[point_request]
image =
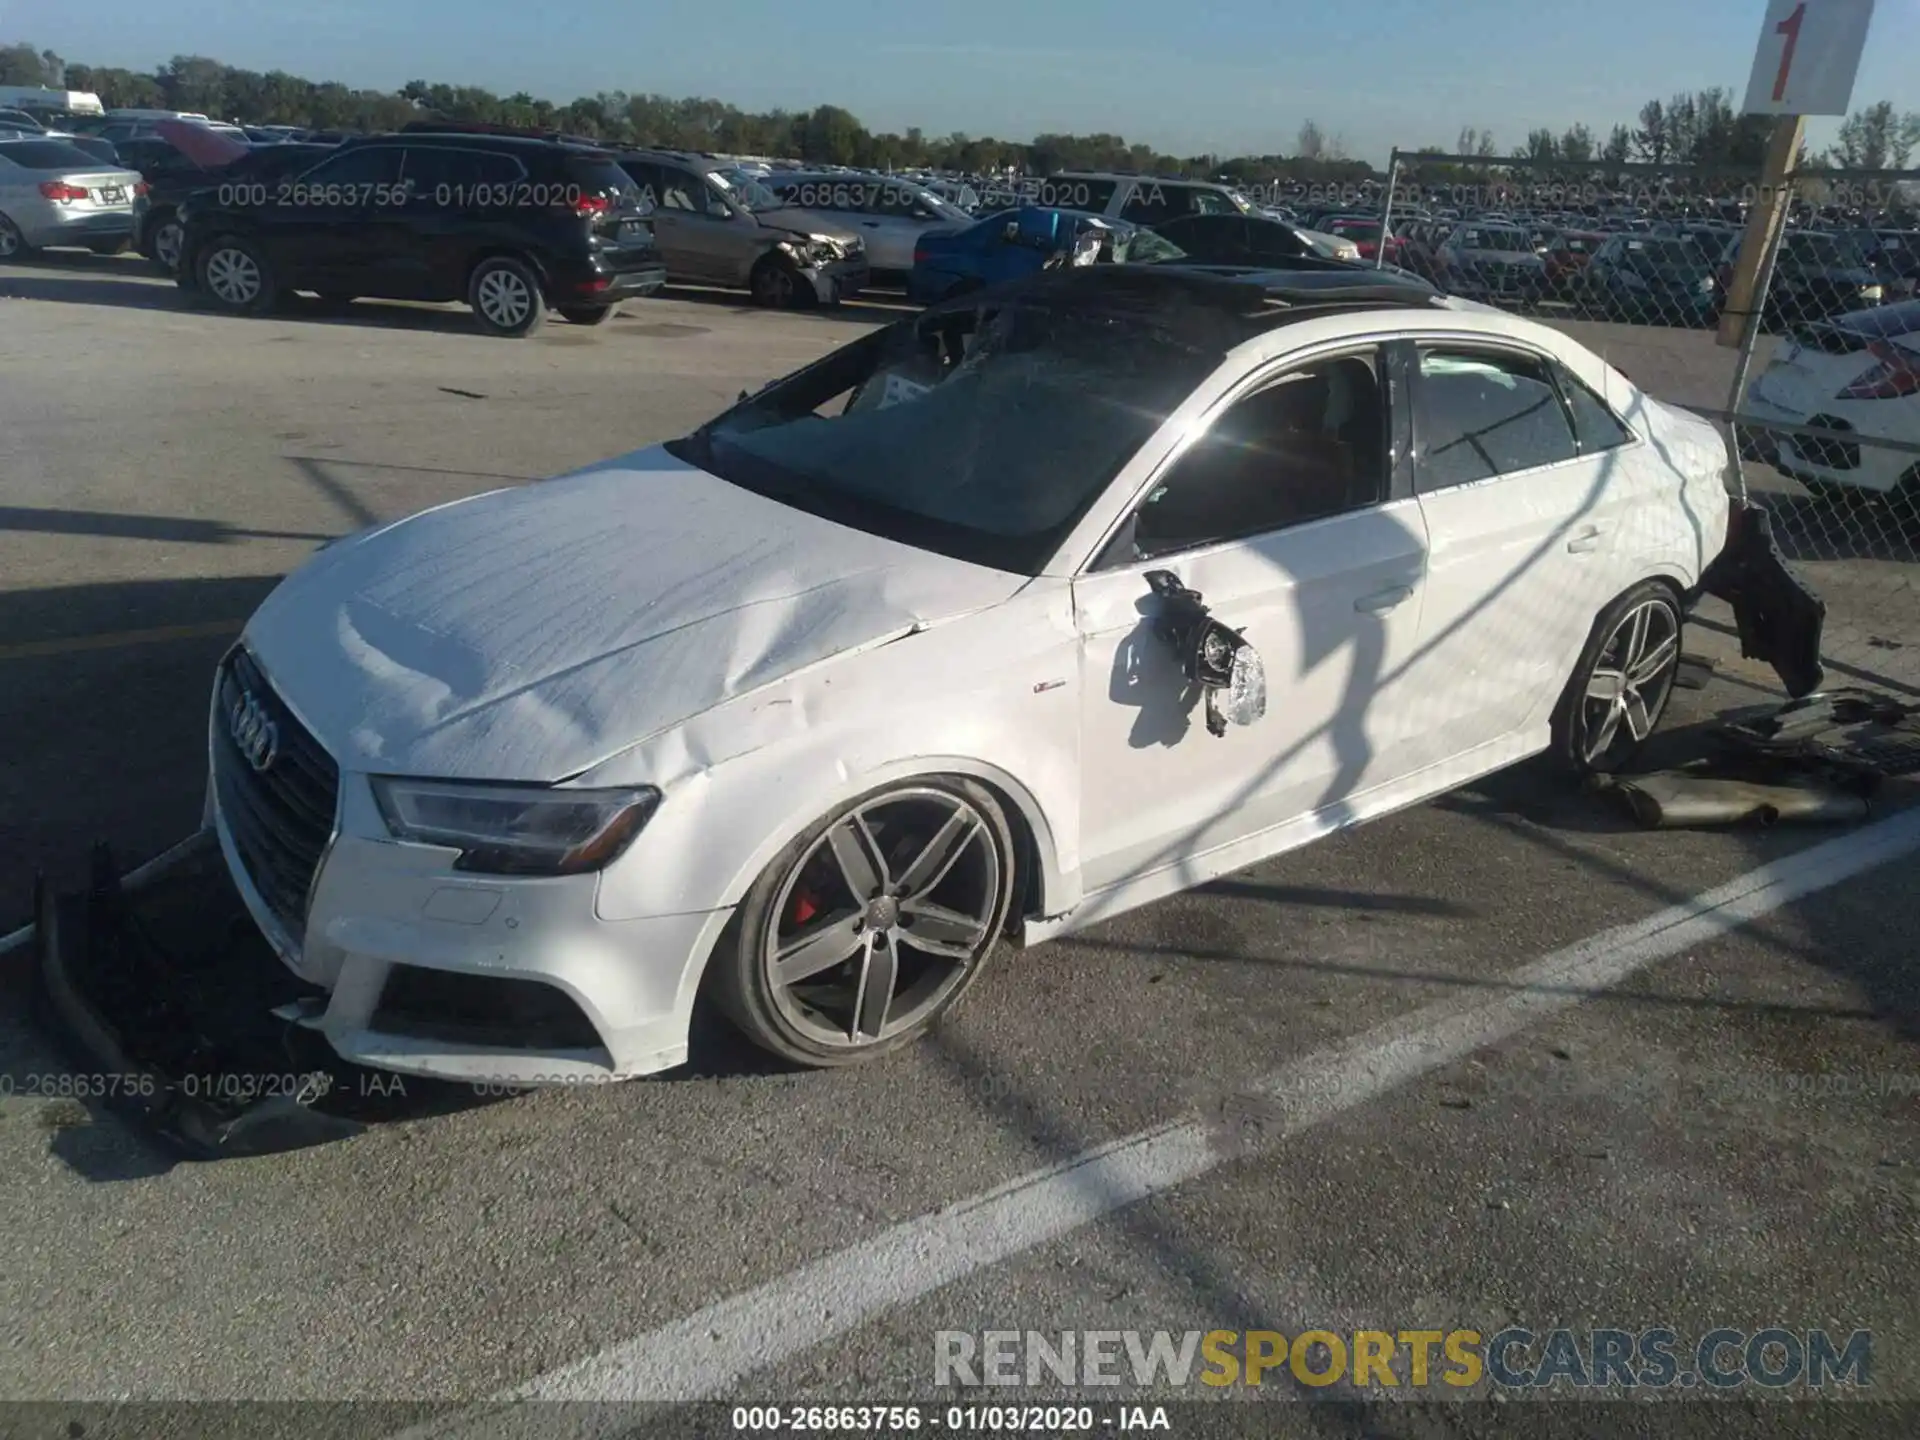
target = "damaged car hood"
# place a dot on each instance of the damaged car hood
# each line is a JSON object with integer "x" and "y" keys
{"x": 530, "y": 634}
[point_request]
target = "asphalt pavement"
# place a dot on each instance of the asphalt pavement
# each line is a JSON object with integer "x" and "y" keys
{"x": 1501, "y": 1060}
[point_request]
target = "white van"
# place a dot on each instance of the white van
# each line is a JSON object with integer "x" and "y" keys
{"x": 44, "y": 104}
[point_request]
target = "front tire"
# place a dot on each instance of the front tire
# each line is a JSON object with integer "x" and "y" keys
{"x": 505, "y": 297}
{"x": 870, "y": 926}
{"x": 235, "y": 275}
{"x": 1621, "y": 686}
{"x": 777, "y": 285}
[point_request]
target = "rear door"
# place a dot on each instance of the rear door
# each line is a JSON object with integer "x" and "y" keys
{"x": 452, "y": 195}
{"x": 1522, "y": 528}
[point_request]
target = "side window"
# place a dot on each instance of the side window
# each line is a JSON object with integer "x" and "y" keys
{"x": 491, "y": 169}
{"x": 1594, "y": 423}
{"x": 439, "y": 175}
{"x": 373, "y": 165}
{"x": 426, "y": 170}
{"x": 1483, "y": 413}
{"x": 678, "y": 191}
{"x": 650, "y": 181}
{"x": 1211, "y": 202}
{"x": 1311, "y": 444}
{"x": 1148, "y": 202}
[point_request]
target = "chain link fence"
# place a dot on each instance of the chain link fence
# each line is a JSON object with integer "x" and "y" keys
{"x": 1816, "y": 379}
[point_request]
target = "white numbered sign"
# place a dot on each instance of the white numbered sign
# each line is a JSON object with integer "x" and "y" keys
{"x": 1809, "y": 53}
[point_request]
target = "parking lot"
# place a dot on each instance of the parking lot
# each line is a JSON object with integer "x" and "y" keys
{"x": 1503, "y": 1059}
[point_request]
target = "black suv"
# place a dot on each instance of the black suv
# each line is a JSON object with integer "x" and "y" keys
{"x": 511, "y": 225}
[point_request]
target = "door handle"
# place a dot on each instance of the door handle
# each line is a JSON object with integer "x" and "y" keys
{"x": 1381, "y": 601}
{"x": 1584, "y": 541}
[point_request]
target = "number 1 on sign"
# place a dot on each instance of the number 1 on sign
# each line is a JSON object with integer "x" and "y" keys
{"x": 1789, "y": 27}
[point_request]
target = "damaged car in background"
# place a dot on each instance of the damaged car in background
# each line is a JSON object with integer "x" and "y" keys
{"x": 1017, "y": 614}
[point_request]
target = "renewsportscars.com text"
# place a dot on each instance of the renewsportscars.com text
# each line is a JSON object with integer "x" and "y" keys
{"x": 1514, "y": 1358}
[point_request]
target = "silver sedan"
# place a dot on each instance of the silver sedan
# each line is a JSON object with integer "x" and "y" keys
{"x": 52, "y": 193}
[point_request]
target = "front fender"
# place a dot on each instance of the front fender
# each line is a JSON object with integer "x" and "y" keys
{"x": 993, "y": 695}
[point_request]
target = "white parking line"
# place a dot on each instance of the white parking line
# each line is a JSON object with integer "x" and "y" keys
{"x": 707, "y": 1354}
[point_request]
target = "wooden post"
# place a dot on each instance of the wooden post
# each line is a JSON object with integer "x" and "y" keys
{"x": 1770, "y": 211}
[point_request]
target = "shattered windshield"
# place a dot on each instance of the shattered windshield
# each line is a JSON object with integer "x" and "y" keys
{"x": 981, "y": 434}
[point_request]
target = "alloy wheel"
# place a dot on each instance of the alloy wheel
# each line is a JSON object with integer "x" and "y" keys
{"x": 504, "y": 299}
{"x": 1632, "y": 679}
{"x": 883, "y": 917}
{"x": 10, "y": 241}
{"x": 166, "y": 244}
{"x": 233, "y": 277}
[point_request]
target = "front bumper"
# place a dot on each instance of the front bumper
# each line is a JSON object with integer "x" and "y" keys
{"x": 841, "y": 280}
{"x": 502, "y": 980}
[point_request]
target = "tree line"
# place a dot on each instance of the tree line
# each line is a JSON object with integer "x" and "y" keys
{"x": 1688, "y": 129}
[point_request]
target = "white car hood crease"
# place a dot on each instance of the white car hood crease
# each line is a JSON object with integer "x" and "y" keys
{"x": 531, "y": 634}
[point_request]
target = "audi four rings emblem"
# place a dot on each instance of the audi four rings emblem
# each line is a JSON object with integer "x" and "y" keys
{"x": 253, "y": 730}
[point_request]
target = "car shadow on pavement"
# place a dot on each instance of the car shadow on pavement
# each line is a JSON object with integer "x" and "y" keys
{"x": 865, "y": 309}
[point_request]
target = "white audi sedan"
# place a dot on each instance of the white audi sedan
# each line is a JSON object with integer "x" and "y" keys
{"x": 1019, "y": 613}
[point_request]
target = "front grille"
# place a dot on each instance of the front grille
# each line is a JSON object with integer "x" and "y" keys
{"x": 280, "y": 819}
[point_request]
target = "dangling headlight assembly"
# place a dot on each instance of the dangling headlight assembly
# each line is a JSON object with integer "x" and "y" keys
{"x": 517, "y": 829}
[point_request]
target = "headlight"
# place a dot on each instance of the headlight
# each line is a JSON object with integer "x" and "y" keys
{"x": 1706, "y": 286}
{"x": 1871, "y": 292}
{"x": 517, "y": 829}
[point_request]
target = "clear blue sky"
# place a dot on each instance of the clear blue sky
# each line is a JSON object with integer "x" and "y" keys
{"x": 1232, "y": 76}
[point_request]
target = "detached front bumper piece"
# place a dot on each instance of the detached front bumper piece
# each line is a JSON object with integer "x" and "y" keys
{"x": 161, "y": 985}
{"x": 1780, "y": 619}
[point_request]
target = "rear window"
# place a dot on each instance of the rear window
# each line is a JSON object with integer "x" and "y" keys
{"x": 47, "y": 155}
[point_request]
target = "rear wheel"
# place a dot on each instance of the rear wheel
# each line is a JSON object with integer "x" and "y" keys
{"x": 869, "y": 927}
{"x": 505, "y": 296}
{"x": 235, "y": 275}
{"x": 13, "y": 244}
{"x": 585, "y": 314}
{"x": 1620, "y": 688}
{"x": 163, "y": 245}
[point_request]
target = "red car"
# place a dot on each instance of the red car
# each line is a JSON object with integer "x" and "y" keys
{"x": 1568, "y": 256}
{"x": 1364, "y": 232}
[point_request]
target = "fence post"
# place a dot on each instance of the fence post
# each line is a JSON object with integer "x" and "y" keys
{"x": 1771, "y": 208}
{"x": 1756, "y": 324}
{"x": 1386, "y": 214}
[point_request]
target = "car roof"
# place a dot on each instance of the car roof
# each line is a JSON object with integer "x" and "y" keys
{"x": 1216, "y": 309}
{"x": 1139, "y": 176}
{"x": 470, "y": 140}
